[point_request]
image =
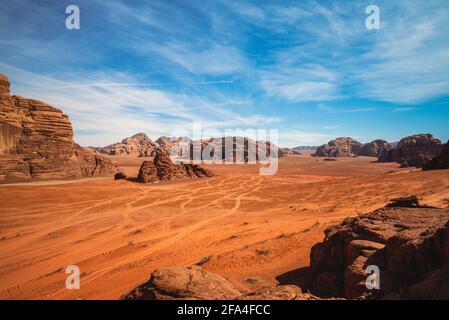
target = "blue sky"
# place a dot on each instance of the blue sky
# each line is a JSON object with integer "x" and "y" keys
{"x": 308, "y": 68}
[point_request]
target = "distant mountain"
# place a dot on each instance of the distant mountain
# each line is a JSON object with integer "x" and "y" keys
{"x": 304, "y": 148}
{"x": 137, "y": 145}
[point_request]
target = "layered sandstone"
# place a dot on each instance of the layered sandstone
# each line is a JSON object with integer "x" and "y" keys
{"x": 36, "y": 141}
{"x": 410, "y": 245}
{"x": 413, "y": 151}
{"x": 339, "y": 147}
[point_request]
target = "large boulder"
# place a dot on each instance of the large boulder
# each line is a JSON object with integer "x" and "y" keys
{"x": 163, "y": 169}
{"x": 413, "y": 151}
{"x": 375, "y": 148}
{"x": 409, "y": 245}
{"x": 340, "y": 147}
{"x": 36, "y": 141}
{"x": 186, "y": 283}
{"x": 441, "y": 161}
{"x": 137, "y": 145}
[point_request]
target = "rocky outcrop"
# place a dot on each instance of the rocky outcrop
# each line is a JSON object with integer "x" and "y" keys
{"x": 163, "y": 169}
{"x": 340, "y": 147}
{"x": 441, "y": 161}
{"x": 120, "y": 176}
{"x": 36, "y": 141}
{"x": 413, "y": 151}
{"x": 286, "y": 152}
{"x": 139, "y": 145}
{"x": 409, "y": 245}
{"x": 375, "y": 148}
{"x": 195, "y": 283}
{"x": 191, "y": 282}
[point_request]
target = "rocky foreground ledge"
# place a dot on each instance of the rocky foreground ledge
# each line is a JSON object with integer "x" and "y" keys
{"x": 408, "y": 242}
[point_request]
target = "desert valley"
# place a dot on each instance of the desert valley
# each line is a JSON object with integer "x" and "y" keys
{"x": 124, "y": 212}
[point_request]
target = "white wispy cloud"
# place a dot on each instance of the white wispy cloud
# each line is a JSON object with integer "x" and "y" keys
{"x": 307, "y": 83}
{"x": 106, "y": 113}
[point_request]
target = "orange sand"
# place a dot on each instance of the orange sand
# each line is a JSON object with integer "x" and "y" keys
{"x": 252, "y": 228}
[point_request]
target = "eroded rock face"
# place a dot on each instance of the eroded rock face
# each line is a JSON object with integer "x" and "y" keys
{"x": 375, "y": 148}
{"x": 163, "y": 169}
{"x": 195, "y": 283}
{"x": 414, "y": 151}
{"x": 36, "y": 141}
{"x": 286, "y": 152}
{"x": 137, "y": 145}
{"x": 409, "y": 245}
{"x": 340, "y": 147}
{"x": 441, "y": 161}
{"x": 190, "y": 282}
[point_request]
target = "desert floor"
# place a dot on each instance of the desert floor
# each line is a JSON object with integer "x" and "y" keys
{"x": 252, "y": 229}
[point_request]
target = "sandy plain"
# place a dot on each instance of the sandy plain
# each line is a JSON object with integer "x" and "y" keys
{"x": 254, "y": 230}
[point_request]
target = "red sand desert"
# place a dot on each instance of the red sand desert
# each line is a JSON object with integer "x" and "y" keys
{"x": 245, "y": 227}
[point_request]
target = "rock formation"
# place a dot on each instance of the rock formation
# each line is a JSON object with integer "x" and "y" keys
{"x": 120, "y": 176}
{"x": 340, "y": 147}
{"x": 137, "y": 145}
{"x": 414, "y": 151}
{"x": 191, "y": 282}
{"x": 410, "y": 245}
{"x": 242, "y": 149}
{"x": 163, "y": 169}
{"x": 375, "y": 148}
{"x": 36, "y": 141}
{"x": 286, "y": 152}
{"x": 195, "y": 283}
{"x": 441, "y": 161}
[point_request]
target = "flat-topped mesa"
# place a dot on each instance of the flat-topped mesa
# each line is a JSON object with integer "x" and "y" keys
{"x": 340, "y": 147}
{"x": 413, "y": 151}
{"x": 163, "y": 169}
{"x": 36, "y": 141}
{"x": 137, "y": 145}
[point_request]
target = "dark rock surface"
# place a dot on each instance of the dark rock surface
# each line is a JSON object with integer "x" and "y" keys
{"x": 413, "y": 151}
{"x": 440, "y": 161}
{"x": 375, "y": 148}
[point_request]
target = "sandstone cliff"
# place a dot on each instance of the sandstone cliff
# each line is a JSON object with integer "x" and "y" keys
{"x": 36, "y": 141}
{"x": 414, "y": 151}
